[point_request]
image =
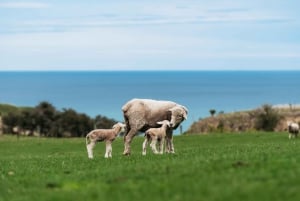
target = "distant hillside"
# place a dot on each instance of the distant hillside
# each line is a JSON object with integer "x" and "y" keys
{"x": 7, "y": 108}
{"x": 246, "y": 120}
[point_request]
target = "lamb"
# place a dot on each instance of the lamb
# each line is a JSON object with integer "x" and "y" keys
{"x": 155, "y": 135}
{"x": 293, "y": 129}
{"x": 107, "y": 135}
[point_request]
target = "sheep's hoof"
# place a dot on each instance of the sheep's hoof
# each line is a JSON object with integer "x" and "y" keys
{"x": 126, "y": 154}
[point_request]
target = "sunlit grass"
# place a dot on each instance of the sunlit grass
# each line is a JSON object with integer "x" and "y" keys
{"x": 254, "y": 166}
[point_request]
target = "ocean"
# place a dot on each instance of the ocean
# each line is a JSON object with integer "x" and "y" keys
{"x": 104, "y": 93}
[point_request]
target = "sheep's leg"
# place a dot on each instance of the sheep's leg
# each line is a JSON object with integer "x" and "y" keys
{"x": 169, "y": 145}
{"x": 108, "y": 152}
{"x": 145, "y": 146}
{"x": 90, "y": 148}
{"x": 169, "y": 142}
{"x": 153, "y": 145}
{"x": 172, "y": 150}
{"x": 158, "y": 145}
{"x": 167, "y": 149}
{"x": 127, "y": 140}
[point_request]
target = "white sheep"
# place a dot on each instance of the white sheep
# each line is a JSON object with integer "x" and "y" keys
{"x": 155, "y": 135}
{"x": 293, "y": 129}
{"x": 107, "y": 135}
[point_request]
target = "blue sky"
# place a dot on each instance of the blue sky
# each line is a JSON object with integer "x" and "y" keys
{"x": 150, "y": 35}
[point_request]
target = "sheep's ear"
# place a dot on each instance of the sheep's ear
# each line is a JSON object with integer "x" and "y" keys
{"x": 159, "y": 122}
{"x": 184, "y": 116}
{"x": 186, "y": 110}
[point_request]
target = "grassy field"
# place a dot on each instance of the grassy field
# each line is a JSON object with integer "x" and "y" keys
{"x": 253, "y": 166}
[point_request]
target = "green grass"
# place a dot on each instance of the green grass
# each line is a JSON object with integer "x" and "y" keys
{"x": 253, "y": 166}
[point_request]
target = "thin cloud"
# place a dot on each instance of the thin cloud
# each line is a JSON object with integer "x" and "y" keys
{"x": 24, "y": 5}
{"x": 62, "y": 25}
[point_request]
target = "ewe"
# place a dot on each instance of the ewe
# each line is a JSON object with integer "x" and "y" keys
{"x": 155, "y": 135}
{"x": 107, "y": 135}
{"x": 142, "y": 114}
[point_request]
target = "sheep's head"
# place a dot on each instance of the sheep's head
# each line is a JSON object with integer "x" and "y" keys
{"x": 178, "y": 114}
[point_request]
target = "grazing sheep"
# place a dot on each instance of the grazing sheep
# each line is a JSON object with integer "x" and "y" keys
{"x": 293, "y": 129}
{"x": 155, "y": 135}
{"x": 107, "y": 135}
{"x": 142, "y": 114}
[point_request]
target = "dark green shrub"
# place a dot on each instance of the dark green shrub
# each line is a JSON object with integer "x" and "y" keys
{"x": 267, "y": 118}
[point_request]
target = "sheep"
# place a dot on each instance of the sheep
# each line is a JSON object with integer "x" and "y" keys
{"x": 293, "y": 129}
{"x": 155, "y": 135}
{"x": 142, "y": 114}
{"x": 107, "y": 135}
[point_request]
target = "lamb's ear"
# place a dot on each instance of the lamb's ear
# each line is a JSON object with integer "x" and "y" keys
{"x": 171, "y": 110}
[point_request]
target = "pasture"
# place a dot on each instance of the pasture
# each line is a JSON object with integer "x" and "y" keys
{"x": 252, "y": 166}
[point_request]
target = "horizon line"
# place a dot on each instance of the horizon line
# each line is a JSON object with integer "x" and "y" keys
{"x": 148, "y": 70}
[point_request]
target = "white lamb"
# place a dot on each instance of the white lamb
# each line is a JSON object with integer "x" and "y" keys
{"x": 293, "y": 129}
{"x": 155, "y": 135}
{"x": 107, "y": 135}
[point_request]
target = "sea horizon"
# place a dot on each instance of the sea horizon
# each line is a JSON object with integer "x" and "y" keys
{"x": 105, "y": 92}
{"x": 151, "y": 70}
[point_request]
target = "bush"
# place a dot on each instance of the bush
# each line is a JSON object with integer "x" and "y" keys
{"x": 45, "y": 120}
{"x": 267, "y": 118}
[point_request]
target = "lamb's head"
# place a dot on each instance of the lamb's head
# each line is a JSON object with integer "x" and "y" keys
{"x": 121, "y": 126}
{"x": 164, "y": 122}
{"x": 178, "y": 114}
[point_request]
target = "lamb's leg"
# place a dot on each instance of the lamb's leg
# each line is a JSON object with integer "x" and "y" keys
{"x": 90, "y": 148}
{"x": 153, "y": 145}
{"x": 108, "y": 152}
{"x": 161, "y": 145}
{"x": 145, "y": 146}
